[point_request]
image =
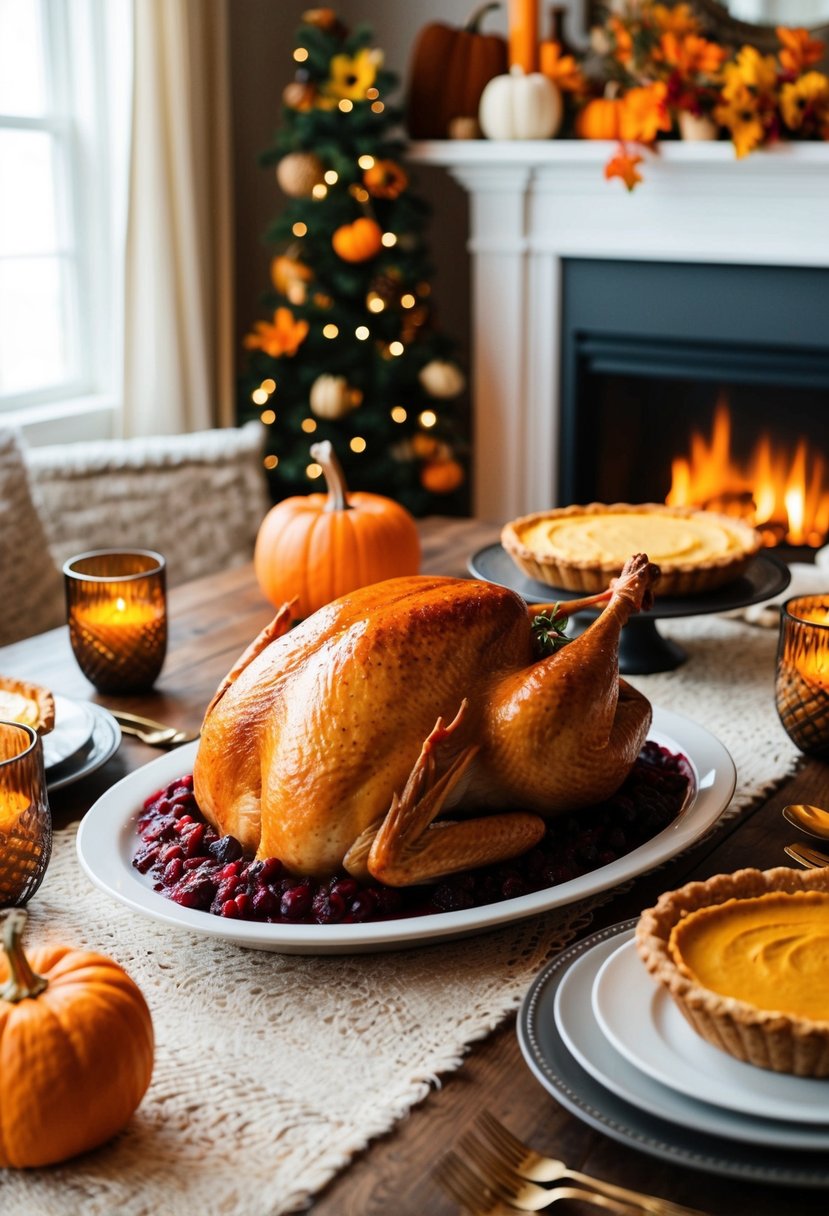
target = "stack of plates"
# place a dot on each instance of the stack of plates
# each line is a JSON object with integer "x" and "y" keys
{"x": 84, "y": 737}
{"x": 612, "y": 1048}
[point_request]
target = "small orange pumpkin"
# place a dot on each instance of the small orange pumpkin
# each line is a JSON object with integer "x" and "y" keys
{"x": 359, "y": 241}
{"x": 601, "y": 118}
{"x": 76, "y": 1040}
{"x": 316, "y": 547}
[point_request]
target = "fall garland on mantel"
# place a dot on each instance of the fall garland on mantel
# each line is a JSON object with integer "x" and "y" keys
{"x": 651, "y": 72}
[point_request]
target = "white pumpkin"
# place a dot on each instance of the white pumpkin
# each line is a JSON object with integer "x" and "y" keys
{"x": 332, "y": 397}
{"x": 441, "y": 379}
{"x": 520, "y": 106}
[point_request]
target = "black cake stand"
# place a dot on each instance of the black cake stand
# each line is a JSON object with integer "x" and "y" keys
{"x": 642, "y": 649}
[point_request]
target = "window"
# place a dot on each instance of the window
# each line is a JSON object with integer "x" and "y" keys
{"x": 64, "y": 91}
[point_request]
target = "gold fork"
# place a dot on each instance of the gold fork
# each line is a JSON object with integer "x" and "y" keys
{"x": 812, "y": 859}
{"x": 507, "y": 1152}
{"x": 483, "y": 1197}
{"x": 156, "y": 734}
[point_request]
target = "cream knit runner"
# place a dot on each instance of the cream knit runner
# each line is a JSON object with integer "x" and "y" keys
{"x": 273, "y": 1071}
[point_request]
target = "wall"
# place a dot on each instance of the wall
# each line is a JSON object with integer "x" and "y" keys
{"x": 261, "y": 42}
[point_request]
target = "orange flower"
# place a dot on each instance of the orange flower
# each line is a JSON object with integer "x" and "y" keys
{"x": 741, "y": 116}
{"x": 645, "y": 113}
{"x": 385, "y": 179}
{"x": 751, "y": 70}
{"x": 563, "y": 70}
{"x": 283, "y": 336}
{"x": 622, "y": 40}
{"x": 678, "y": 19}
{"x": 799, "y": 49}
{"x": 623, "y": 165}
{"x": 804, "y": 98}
{"x": 692, "y": 55}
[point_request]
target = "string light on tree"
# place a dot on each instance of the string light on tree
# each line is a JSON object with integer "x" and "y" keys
{"x": 350, "y": 332}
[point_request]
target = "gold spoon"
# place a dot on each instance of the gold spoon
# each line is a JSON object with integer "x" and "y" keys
{"x": 810, "y": 819}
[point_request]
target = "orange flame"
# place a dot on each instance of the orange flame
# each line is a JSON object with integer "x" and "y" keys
{"x": 785, "y": 496}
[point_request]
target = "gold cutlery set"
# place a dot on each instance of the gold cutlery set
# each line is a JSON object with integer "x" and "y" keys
{"x": 496, "y": 1174}
{"x": 155, "y": 734}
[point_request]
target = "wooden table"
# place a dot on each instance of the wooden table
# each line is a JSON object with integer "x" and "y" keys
{"x": 212, "y": 620}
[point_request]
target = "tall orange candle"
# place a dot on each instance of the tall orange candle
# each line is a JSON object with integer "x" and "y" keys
{"x": 523, "y": 34}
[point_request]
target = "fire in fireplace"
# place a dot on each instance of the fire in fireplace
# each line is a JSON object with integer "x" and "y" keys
{"x": 701, "y": 385}
{"x": 783, "y": 490}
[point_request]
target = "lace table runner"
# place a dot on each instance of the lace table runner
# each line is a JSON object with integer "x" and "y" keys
{"x": 273, "y": 1071}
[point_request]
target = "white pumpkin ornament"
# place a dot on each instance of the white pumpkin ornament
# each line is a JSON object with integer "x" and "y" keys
{"x": 298, "y": 173}
{"x": 333, "y": 397}
{"x": 520, "y": 106}
{"x": 441, "y": 379}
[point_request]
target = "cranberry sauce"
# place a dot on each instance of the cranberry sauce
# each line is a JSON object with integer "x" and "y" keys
{"x": 192, "y": 865}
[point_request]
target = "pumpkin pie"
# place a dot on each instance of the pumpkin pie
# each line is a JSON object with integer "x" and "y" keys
{"x": 580, "y": 548}
{"x": 30, "y": 704}
{"x": 745, "y": 957}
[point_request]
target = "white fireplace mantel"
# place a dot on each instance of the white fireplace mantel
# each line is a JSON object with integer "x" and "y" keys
{"x": 533, "y": 204}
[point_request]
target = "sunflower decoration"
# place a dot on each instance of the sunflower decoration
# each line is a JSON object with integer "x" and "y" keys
{"x": 351, "y": 76}
{"x": 765, "y": 97}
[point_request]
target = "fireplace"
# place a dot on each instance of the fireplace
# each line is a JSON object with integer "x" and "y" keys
{"x": 729, "y": 299}
{"x": 700, "y": 385}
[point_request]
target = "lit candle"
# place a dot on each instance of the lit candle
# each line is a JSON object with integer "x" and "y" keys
{"x": 117, "y": 616}
{"x": 523, "y": 34}
{"x": 25, "y": 822}
{"x": 813, "y": 661}
{"x": 12, "y": 807}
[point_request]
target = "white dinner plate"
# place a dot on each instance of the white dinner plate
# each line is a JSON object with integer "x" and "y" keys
{"x": 642, "y": 1024}
{"x": 72, "y": 731}
{"x": 557, "y": 1069}
{"x": 105, "y": 741}
{"x": 579, "y": 1027}
{"x": 107, "y": 841}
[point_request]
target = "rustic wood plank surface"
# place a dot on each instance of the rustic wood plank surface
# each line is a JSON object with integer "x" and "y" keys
{"x": 211, "y": 622}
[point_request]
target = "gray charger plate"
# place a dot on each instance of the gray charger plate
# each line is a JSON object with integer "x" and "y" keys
{"x": 574, "y": 1088}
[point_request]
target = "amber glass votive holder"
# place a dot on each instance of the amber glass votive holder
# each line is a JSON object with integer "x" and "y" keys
{"x": 802, "y": 678}
{"x": 116, "y": 606}
{"x": 25, "y": 819}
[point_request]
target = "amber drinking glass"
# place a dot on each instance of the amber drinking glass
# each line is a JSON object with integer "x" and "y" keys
{"x": 25, "y": 821}
{"x": 802, "y": 680}
{"x": 116, "y": 604}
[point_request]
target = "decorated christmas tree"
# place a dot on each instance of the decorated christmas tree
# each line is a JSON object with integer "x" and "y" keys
{"x": 349, "y": 350}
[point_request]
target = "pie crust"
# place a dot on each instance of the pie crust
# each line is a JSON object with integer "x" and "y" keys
{"x": 581, "y": 548}
{"x": 787, "y": 1042}
{"x": 31, "y": 704}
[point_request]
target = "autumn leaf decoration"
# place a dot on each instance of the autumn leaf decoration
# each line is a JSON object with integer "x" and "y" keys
{"x": 282, "y": 336}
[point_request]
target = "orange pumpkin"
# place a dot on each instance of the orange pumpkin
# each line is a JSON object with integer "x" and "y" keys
{"x": 442, "y": 476}
{"x": 601, "y": 118}
{"x": 448, "y": 72}
{"x": 76, "y": 1040}
{"x": 359, "y": 241}
{"x": 315, "y": 548}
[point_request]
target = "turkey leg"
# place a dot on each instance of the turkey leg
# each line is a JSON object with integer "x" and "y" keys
{"x": 406, "y": 846}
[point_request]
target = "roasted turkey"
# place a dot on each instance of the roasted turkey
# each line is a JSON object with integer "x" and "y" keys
{"x": 338, "y": 743}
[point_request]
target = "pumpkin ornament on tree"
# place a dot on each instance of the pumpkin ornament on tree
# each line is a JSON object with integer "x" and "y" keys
{"x": 76, "y": 1041}
{"x": 333, "y": 397}
{"x": 315, "y": 548}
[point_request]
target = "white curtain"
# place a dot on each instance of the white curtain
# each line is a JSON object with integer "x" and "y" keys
{"x": 178, "y": 355}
